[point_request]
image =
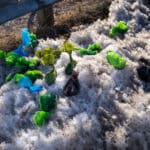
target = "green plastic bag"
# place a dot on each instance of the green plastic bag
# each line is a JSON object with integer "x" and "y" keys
{"x": 34, "y": 75}
{"x": 70, "y": 67}
{"x": 8, "y": 77}
{"x": 50, "y": 77}
{"x": 2, "y": 54}
{"x": 22, "y": 65}
{"x": 40, "y": 117}
{"x": 48, "y": 102}
{"x": 11, "y": 58}
{"x": 94, "y": 47}
{"x": 34, "y": 63}
{"x": 120, "y": 27}
{"x": 34, "y": 41}
{"x": 115, "y": 60}
{"x": 17, "y": 77}
{"x": 87, "y": 52}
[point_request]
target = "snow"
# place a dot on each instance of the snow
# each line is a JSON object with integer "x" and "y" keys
{"x": 112, "y": 110}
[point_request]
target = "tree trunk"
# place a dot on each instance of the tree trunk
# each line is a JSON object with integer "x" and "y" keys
{"x": 45, "y": 18}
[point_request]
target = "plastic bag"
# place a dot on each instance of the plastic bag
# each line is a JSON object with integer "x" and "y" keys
{"x": 72, "y": 87}
{"x": 25, "y": 82}
{"x": 35, "y": 88}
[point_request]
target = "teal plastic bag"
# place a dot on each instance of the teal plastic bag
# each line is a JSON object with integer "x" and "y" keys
{"x": 25, "y": 82}
{"x": 25, "y": 35}
{"x": 35, "y": 88}
{"x": 26, "y": 41}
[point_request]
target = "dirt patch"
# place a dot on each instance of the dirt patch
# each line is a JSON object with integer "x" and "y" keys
{"x": 67, "y": 14}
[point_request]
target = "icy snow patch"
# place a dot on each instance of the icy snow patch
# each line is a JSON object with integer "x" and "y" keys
{"x": 112, "y": 110}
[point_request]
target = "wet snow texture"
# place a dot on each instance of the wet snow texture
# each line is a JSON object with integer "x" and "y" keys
{"x": 112, "y": 110}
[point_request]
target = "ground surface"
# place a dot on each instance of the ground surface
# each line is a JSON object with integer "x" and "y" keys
{"x": 67, "y": 14}
{"x": 112, "y": 110}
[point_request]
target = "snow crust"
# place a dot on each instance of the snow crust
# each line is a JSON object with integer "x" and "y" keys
{"x": 112, "y": 110}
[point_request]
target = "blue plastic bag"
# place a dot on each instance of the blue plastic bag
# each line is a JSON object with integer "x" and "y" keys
{"x": 26, "y": 41}
{"x": 25, "y": 82}
{"x": 35, "y": 88}
{"x": 25, "y": 35}
{"x": 19, "y": 51}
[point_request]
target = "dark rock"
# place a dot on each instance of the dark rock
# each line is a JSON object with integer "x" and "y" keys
{"x": 144, "y": 61}
{"x": 144, "y": 70}
{"x": 4, "y": 138}
{"x": 72, "y": 86}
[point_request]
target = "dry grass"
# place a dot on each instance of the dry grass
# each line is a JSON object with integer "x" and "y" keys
{"x": 84, "y": 12}
{"x": 10, "y": 41}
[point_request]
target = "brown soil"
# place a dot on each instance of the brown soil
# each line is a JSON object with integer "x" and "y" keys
{"x": 68, "y": 14}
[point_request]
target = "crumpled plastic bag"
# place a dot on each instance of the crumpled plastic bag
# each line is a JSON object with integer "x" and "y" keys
{"x": 92, "y": 49}
{"x": 72, "y": 86}
{"x": 35, "y": 88}
{"x": 116, "y": 60}
{"x": 25, "y": 82}
{"x": 19, "y": 51}
{"x": 25, "y": 35}
{"x": 40, "y": 117}
{"x": 48, "y": 102}
{"x": 26, "y": 41}
{"x": 120, "y": 27}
